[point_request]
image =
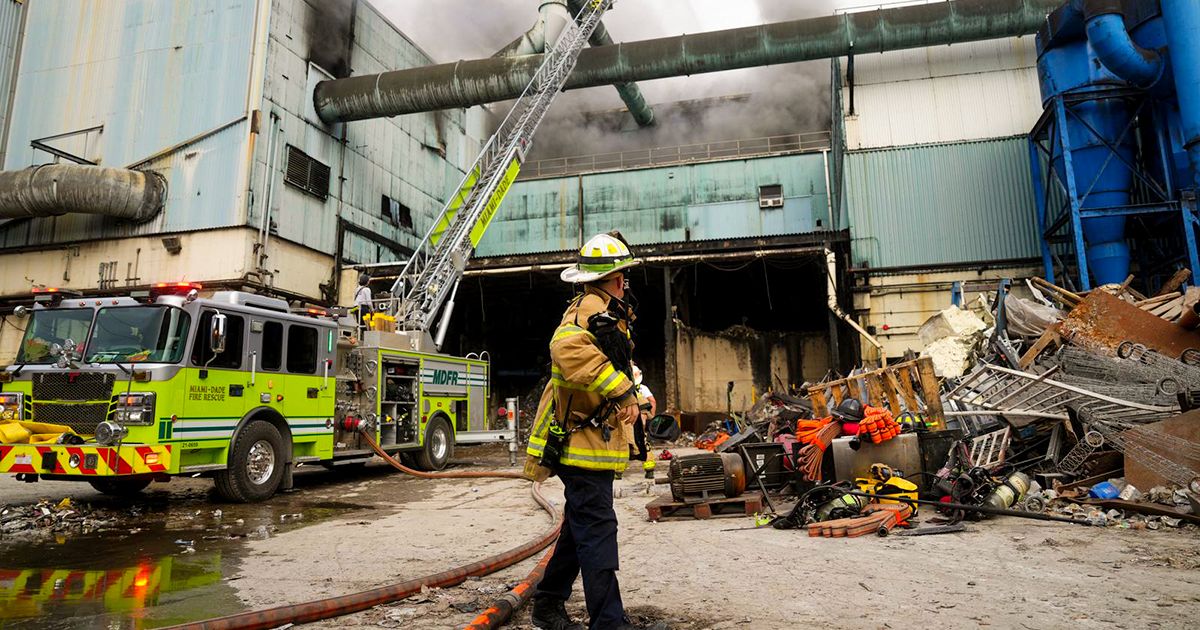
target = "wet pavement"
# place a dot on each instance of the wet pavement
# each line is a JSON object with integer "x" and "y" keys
{"x": 168, "y": 556}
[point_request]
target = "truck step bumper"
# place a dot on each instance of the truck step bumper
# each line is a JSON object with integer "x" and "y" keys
{"x": 84, "y": 461}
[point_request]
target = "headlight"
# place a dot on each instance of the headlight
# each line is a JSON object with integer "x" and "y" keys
{"x": 11, "y": 407}
{"x": 110, "y": 433}
{"x": 134, "y": 409}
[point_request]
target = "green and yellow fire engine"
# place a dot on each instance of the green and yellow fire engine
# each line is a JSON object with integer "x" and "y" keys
{"x": 121, "y": 391}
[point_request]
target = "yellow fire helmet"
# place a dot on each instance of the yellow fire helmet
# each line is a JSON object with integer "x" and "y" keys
{"x": 602, "y": 255}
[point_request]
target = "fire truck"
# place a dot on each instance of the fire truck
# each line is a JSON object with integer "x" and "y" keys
{"x": 119, "y": 391}
{"x": 235, "y": 385}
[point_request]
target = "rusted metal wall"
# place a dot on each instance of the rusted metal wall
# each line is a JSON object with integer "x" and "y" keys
{"x": 154, "y": 74}
{"x": 415, "y": 160}
{"x": 692, "y": 202}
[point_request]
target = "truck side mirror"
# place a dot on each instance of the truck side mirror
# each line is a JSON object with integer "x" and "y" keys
{"x": 217, "y": 336}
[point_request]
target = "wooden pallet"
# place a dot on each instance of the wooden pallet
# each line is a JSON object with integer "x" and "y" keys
{"x": 666, "y": 508}
{"x": 909, "y": 386}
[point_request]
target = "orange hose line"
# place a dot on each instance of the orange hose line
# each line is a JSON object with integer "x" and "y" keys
{"x": 306, "y": 612}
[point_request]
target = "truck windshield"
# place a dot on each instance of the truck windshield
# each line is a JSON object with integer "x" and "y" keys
{"x": 50, "y": 326}
{"x": 132, "y": 334}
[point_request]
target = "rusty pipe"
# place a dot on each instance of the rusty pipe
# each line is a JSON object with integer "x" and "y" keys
{"x": 50, "y": 190}
{"x": 629, "y": 91}
{"x": 468, "y": 83}
{"x": 306, "y": 612}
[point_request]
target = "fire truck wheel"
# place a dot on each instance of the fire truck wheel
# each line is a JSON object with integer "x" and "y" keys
{"x": 439, "y": 445}
{"x": 119, "y": 487}
{"x": 256, "y": 464}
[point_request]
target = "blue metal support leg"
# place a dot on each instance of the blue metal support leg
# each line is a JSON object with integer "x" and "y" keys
{"x": 1073, "y": 200}
{"x": 1039, "y": 197}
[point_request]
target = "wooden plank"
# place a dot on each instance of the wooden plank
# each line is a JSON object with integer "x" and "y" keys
{"x": 1176, "y": 281}
{"x": 1162, "y": 309}
{"x": 820, "y": 405}
{"x": 932, "y": 393}
{"x": 1158, "y": 299}
{"x": 1048, "y": 338}
{"x": 910, "y": 395}
{"x": 853, "y": 388}
{"x": 1174, "y": 313}
{"x": 876, "y": 398}
{"x": 890, "y": 387}
{"x": 1063, "y": 294}
{"x": 1125, "y": 285}
{"x": 839, "y": 393}
{"x": 665, "y": 508}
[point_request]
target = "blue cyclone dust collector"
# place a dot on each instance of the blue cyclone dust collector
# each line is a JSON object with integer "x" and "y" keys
{"x": 1116, "y": 153}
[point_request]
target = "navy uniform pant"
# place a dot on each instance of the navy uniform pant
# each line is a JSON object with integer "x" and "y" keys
{"x": 587, "y": 545}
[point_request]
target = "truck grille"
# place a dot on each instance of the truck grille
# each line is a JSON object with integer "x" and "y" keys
{"x": 81, "y": 417}
{"x": 81, "y": 386}
{"x": 80, "y": 400}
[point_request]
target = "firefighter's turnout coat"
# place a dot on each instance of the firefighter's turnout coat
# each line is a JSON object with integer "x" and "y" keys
{"x": 581, "y": 378}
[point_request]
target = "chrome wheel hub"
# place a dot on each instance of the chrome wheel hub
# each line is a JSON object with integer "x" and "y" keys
{"x": 260, "y": 462}
{"x": 439, "y": 445}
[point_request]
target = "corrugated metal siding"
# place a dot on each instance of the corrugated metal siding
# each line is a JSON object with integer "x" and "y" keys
{"x": 941, "y": 204}
{"x": 945, "y": 94}
{"x": 10, "y": 35}
{"x": 398, "y": 157}
{"x": 154, "y": 73}
{"x": 714, "y": 200}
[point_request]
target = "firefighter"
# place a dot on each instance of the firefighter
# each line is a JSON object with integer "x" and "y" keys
{"x": 581, "y": 434}
{"x": 362, "y": 299}
{"x": 647, "y": 407}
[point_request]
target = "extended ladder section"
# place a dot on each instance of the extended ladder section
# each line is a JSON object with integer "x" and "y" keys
{"x": 435, "y": 269}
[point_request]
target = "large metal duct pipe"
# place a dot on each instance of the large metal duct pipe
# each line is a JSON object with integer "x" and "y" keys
{"x": 1182, "y": 21}
{"x": 54, "y": 189}
{"x": 468, "y": 83}
{"x": 629, "y": 92}
{"x": 1114, "y": 46}
{"x": 553, "y": 18}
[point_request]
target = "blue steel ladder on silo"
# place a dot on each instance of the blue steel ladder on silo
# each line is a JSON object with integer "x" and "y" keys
{"x": 435, "y": 268}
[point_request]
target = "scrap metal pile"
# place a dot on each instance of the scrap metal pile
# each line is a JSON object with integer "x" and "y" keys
{"x": 1052, "y": 405}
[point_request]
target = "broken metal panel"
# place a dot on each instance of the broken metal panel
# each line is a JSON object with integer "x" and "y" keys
{"x": 974, "y": 199}
{"x": 684, "y": 203}
{"x": 1104, "y": 322}
{"x": 1023, "y": 398}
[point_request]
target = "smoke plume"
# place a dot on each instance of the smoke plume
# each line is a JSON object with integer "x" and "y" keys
{"x": 730, "y": 105}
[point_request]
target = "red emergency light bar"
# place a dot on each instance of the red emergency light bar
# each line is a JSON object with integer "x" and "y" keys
{"x": 52, "y": 295}
{"x": 176, "y": 288}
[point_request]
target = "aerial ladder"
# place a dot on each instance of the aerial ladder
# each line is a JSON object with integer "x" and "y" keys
{"x": 429, "y": 280}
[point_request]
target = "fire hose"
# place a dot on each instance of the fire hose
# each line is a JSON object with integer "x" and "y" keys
{"x": 306, "y": 612}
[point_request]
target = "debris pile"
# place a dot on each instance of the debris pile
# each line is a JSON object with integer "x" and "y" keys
{"x": 45, "y": 515}
{"x": 1050, "y": 405}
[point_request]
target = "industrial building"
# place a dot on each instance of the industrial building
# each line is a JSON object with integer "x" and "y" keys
{"x": 771, "y": 261}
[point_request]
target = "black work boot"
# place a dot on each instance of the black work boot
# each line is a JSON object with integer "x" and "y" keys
{"x": 551, "y": 614}
{"x": 629, "y": 625}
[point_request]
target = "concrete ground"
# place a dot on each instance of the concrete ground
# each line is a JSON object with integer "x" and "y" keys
{"x": 372, "y": 528}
